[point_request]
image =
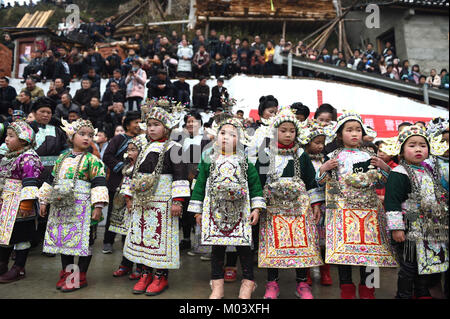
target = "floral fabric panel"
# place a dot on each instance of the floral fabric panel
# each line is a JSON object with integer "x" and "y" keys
{"x": 10, "y": 202}
{"x": 288, "y": 241}
{"x": 225, "y": 222}
{"x": 356, "y": 235}
{"x": 68, "y": 227}
{"x": 49, "y": 130}
{"x": 91, "y": 167}
{"x": 152, "y": 238}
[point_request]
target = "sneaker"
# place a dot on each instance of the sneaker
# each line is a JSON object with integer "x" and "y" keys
{"x": 158, "y": 286}
{"x": 230, "y": 274}
{"x": 303, "y": 291}
{"x": 272, "y": 290}
{"x": 205, "y": 257}
{"x": 107, "y": 249}
{"x": 192, "y": 253}
{"x": 143, "y": 283}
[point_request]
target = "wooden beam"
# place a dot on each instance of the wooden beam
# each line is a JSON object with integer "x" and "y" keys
{"x": 204, "y": 18}
{"x": 158, "y": 6}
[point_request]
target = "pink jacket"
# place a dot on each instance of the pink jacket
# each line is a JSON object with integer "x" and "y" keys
{"x": 136, "y": 84}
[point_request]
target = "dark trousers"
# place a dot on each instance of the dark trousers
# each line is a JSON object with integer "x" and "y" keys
{"x": 109, "y": 235}
{"x": 218, "y": 260}
{"x": 300, "y": 274}
{"x": 409, "y": 282}
{"x": 187, "y": 223}
{"x": 21, "y": 256}
{"x": 134, "y": 100}
{"x": 345, "y": 274}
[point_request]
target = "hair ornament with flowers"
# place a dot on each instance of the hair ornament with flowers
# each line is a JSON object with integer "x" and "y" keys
{"x": 72, "y": 128}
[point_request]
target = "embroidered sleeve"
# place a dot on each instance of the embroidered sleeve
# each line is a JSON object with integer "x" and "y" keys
{"x": 44, "y": 193}
{"x": 316, "y": 195}
{"x": 97, "y": 177}
{"x": 395, "y": 220}
{"x": 180, "y": 189}
{"x": 125, "y": 189}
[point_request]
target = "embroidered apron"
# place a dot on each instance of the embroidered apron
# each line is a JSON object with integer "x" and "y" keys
{"x": 152, "y": 237}
{"x": 68, "y": 227}
{"x": 120, "y": 217}
{"x": 9, "y": 209}
{"x": 218, "y": 228}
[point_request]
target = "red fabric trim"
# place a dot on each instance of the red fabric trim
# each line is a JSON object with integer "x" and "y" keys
{"x": 282, "y": 146}
{"x": 178, "y": 199}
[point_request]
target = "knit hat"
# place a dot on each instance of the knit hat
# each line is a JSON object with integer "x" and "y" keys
{"x": 44, "y": 102}
{"x": 23, "y": 131}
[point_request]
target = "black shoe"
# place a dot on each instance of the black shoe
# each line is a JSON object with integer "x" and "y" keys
{"x": 185, "y": 244}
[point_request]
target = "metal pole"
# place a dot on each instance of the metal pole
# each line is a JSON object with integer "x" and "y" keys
{"x": 425, "y": 94}
{"x": 289, "y": 70}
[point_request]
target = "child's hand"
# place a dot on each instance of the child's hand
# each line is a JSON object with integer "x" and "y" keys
{"x": 316, "y": 214}
{"x": 176, "y": 210}
{"x": 254, "y": 217}
{"x": 97, "y": 213}
{"x": 329, "y": 165}
{"x": 43, "y": 210}
{"x": 398, "y": 236}
{"x": 198, "y": 219}
{"x": 378, "y": 162}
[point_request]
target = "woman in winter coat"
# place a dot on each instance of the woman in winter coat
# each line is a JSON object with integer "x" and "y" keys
{"x": 185, "y": 54}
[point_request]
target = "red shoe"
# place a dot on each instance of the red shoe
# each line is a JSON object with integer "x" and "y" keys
{"x": 325, "y": 278}
{"x": 122, "y": 271}
{"x": 143, "y": 283}
{"x": 230, "y": 274}
{"x": 135, "y": 275}
{"x": 366, "y": 292}
{"x": 308, "y": 277}
{"x": 62, "y": 278}
{"x": 348, "y": 291}
{"x": 71, "y": 286}
{"x": 157, "y": 286}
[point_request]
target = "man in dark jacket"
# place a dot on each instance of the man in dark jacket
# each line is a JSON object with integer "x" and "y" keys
{"x": 57, "y": 89}
{"x": 182, "y": 90}
{"x": 95, "y": 60}
{"x": 24, "y": 102}
{"x": 200, "y": 96}
{"x": 61, "y": 70}
{"x": 113, "y": 94}
{"x": 65, "y": 107}
{"x": 218, "y": 92}
{"x": 113, "y": 62}
{"x": 95, "y": 113}
{"x": 7, "y": 96}
{"x": 83, "y": 96}
{"x": 113, "y": 159}
{"x": 94, "y": 77}
{"x": 160, "y": 85}
{"x": 223, "y": 48}
{"x": 117, "y": 78}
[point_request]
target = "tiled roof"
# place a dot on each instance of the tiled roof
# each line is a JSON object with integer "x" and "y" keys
{"x": 426, "y": 3}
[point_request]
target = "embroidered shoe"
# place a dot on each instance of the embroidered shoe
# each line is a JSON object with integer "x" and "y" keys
{"x": 230, "y": 274}
{"x": 366, "y": 292}
{"x": 14, "y": 274}
{"x": 122, "y": 271}
{"x": 158, "y": 286}
{"x": 348, "y": 291}
{"x": 62, "y": 278}
{"x": 71, "y": 286}
{"x": 143, "y": 283}
{"x": 325, "y": 277}
{"x": 303, "y": 291}
{"x": 272, "y": 290}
